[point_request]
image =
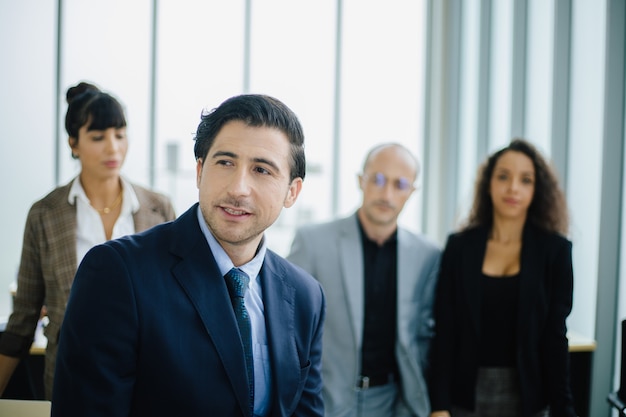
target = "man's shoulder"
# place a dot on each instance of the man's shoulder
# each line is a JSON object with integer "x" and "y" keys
{"x": 419, "y": 240}
{"x": 289, "y": 269}
{"x": 281, "y": 265}
{"x": 330, "y": 226}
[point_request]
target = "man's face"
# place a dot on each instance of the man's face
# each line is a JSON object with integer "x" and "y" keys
{"x": 387, "y": 184}
{"x": 244, "y": 184}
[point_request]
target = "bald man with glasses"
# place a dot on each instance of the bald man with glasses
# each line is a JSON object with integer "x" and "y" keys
{"x": 379, "y": 280}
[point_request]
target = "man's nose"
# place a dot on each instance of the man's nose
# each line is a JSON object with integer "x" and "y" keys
{"x": 240, "y": 184}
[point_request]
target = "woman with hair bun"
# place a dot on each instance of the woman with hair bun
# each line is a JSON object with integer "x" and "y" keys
{"x": 504, "y": 291}
{"x": 96, "y": 206}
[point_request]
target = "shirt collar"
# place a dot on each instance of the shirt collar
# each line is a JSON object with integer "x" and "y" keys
{"x": 224, "y": 263}
{"x": 130, "y": 197}
{"x": 364, "y": 238}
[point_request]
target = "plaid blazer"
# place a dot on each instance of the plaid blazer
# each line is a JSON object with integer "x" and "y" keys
{"x": 48, "y": 265}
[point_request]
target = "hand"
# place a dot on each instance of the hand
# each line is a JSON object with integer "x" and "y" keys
{"x": 440, "y": 413}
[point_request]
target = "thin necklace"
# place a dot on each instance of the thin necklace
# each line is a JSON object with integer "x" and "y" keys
{"x": 116, "y": 203}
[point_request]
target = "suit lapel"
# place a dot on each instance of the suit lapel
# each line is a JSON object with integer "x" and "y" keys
{"x": 278, "y": 301}
{"x": 351, "y": 259}
{"x": 472, "y": 260}
{"x": 198, "y": 275}
{"x": 409, "y": 264}
{"x": 60, "y": 224}
{"x": 529, "y": 278}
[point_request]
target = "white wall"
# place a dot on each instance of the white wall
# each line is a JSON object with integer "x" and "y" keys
{"x": 27, "y": 48}
{"x": 585, "y": 155}
{"x": 112, "y": 49}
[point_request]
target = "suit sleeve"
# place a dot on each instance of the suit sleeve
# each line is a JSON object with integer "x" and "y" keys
{"x": 556, "y": 351}
{"x": 98, "y": 343}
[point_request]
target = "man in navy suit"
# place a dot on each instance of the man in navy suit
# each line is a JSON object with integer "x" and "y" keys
{"x": 150, "y": 329}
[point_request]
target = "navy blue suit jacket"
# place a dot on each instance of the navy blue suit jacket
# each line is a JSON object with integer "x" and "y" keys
{"x": 150, "y": 331}
{"x": 545, "y": 301}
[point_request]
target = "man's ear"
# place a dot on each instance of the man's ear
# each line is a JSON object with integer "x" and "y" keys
{"x": 292, "y": 193}
{"x": 198, "y": 171}
{"x": 360, "y": 179}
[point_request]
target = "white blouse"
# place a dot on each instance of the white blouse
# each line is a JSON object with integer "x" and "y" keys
{"x": 90, "y": 230}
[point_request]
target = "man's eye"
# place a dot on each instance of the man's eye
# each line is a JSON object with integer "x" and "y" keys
{"x": 262, "y": 170}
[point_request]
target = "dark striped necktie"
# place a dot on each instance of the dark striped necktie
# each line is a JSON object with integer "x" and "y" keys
{"x": 237, "y": 283}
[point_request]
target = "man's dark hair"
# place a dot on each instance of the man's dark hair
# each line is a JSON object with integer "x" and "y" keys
{"x": 254, "y": 110}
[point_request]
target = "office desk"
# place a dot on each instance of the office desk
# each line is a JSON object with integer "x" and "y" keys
{"x": 581, "y": 361}
{"x": 37, "y": 350}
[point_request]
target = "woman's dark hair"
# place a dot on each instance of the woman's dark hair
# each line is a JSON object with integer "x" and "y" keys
{"x": 548, "y": 209}
{"x": 87, "y": 104}
{"x": 254, "y": 110}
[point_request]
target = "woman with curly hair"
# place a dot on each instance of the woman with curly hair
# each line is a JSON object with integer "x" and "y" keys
{"x": 504, "y": 291}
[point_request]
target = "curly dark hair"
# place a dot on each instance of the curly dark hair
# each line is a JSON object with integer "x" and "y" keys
{"x": 548, "y": 209}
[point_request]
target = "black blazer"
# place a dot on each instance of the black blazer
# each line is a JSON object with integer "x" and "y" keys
{"x": 545, "y": 300}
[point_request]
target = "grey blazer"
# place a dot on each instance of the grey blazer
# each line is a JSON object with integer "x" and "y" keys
{"x": 332, "y": 253}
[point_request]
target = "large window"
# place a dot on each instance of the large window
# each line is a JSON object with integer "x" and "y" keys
{"x": 352, "y": 71}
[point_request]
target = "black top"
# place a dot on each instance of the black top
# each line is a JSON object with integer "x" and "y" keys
{"x": 498, "y": 317}
{"x": 379, "y": 328}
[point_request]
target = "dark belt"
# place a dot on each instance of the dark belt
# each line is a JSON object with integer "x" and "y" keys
{"x": 365, "y": 382}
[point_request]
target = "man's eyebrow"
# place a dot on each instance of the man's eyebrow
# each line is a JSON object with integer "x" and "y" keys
{"x": 224, "y": 153}
{"x": 233, "y": 155}
{"x": 267, "y": 162}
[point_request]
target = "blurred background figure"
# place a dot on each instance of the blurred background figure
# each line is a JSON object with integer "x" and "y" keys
{"x": 504, "y": 292}
{"x": 98, "y": 205}
{"x": 379, "y": 280}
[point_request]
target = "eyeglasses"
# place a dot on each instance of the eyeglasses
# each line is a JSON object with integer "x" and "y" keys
{"x": 380, "y": 181}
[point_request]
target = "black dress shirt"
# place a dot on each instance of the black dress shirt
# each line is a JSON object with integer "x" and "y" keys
{"x": 379, "y": 328}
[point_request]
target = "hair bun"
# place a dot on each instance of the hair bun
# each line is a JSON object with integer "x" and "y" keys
{"x": 79, "y": 89}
